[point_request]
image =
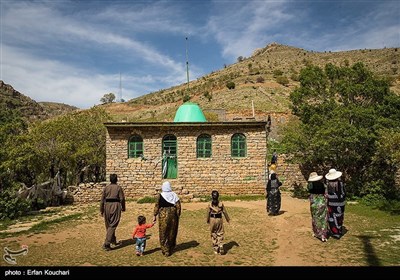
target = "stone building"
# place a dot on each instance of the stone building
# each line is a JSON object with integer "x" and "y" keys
{"x": 196, "y": 156}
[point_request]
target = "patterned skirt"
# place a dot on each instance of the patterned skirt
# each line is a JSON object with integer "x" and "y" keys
{"x": 319, "y": 215}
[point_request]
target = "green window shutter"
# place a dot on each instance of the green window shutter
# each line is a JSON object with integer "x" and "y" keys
{"x": 203, "y": 146}
{"x": 169, "y": 153}
{"x": 135, "y": 146}
{"x": 238, "y": 145}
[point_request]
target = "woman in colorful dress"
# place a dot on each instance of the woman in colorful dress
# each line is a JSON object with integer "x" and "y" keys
{"x": 318, "y": 206}
{"x": 336, "y": 202}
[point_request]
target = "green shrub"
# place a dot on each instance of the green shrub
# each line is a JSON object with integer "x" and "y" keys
{"x": 373, "y": 200}
{"x": 230, "y": 85}
{"x": 186, "y": 98}
{"x": 278, "y": 73}
{"x": 11, "y": 205}
{"x": 282, "y": 80}
{"x": 299, "y": 191}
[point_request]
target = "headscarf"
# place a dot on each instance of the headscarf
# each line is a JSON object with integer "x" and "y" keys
{"x": 168, "y": 194}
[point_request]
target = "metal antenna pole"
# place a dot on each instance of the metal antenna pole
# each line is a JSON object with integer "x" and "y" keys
{"x": 120, "y": 87}
{"x": 187, "y": 64}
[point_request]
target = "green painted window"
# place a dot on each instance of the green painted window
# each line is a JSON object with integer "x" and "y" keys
{"x": 135, "y": 146}
{"x": 170, "y": 161}
{"x": 238, "y": 145}
{"x": 203, "y": 146}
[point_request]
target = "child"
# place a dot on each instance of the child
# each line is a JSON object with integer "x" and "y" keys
{"x": 140, "y": 234}
{"x": 214, "y": 217}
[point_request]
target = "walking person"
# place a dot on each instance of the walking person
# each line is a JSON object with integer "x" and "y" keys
{"x": 214, "y": 218}
{"x": 140, "y": 234}
{"x": 318, "y": 206}
{"x": 168, "y": 210}
{"x": 274, "y": 158}
{"x": 112, "y": 203}
{"x": 336, "y": 202}
{"x": 273, "y": 194}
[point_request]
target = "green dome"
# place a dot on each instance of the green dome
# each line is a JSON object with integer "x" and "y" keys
{"x": 189, "y": 112}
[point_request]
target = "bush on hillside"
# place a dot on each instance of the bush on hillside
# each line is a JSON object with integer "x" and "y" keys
{"x": 230, "y": 85}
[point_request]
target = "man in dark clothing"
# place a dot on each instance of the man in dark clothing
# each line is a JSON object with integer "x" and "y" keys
{"x": 111, "y": 204}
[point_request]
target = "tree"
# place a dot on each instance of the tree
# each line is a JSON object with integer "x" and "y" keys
{"x": 230, "y": 85}
{"x": 11, "y": 125}
{"x": 107, "y": 98}
{"x": 341, "y": 112}
{"x": 60, "y": 143}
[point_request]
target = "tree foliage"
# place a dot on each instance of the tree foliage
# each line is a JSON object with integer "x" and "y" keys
{"x": 342, "y": 113}
{"x": 230, "y": 85}
{"x": 67, "y": 143}
{"x": 108, "y": 98}
{"x": 11, "y": 125}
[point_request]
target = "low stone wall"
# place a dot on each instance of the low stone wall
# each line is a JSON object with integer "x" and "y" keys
{"x": 288, "y": 173}
{"x": 91, "y": 192}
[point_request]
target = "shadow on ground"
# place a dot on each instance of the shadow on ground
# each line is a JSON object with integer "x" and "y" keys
{"x": 230, "y": 245}
{"x": 186, "y": 245}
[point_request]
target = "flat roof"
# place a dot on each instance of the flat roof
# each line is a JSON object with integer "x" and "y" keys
{"x": 184, "y": 124}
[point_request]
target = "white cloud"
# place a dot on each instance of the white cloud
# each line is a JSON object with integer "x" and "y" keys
{"x": 242, "y": 27}
{"x": 45, "y": 80}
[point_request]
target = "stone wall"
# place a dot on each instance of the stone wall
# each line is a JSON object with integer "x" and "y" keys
{"x": 289, "y": 174}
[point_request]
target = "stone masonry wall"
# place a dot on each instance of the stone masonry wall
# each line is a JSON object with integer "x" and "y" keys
{"x": 289, "y": 174}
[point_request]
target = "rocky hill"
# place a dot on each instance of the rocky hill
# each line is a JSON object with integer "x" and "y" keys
{"x": 259, "y": 85}
{"x": 30, "y": 109}
{"x": 263, "y": 80}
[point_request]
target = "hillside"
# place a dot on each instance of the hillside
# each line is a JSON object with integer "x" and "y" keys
{"x": 266, "y": 79}
{"x": 54, "y": 109}
{"x": 13, "y": 100}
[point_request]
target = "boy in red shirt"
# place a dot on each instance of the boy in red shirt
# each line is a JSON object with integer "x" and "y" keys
{"x": 140, "y": 234}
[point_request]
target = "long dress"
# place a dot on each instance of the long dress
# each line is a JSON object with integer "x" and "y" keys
{"x": 318, "y": 209}
{"x": 273, "y": 195}
{"x": 111, "y": 204}
{"x": 336, "y": 205}
{"x": 168, "y": 222}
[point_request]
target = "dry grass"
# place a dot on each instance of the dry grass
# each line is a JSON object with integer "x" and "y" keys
{"x": 252, "y": 239}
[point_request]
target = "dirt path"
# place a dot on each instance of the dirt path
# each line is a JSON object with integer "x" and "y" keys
{"x": 252, "y": 239}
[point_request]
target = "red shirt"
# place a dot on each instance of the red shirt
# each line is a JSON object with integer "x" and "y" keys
{"x": 140, "y": 230}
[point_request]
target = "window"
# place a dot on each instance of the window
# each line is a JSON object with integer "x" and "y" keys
{"x": 135, "y": 146}
{"x": 169, "y": 162}
{"x": 203, "y": 146}
{"x": 238, "y": 145}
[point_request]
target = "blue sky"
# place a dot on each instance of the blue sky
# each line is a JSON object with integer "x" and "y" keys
{"x": 74, "y": 52}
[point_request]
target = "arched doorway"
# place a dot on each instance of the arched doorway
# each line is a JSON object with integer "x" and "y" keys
{"x": 169, "y": 155}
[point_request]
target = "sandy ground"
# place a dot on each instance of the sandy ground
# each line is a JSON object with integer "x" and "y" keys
{"x": 252, "y": 239}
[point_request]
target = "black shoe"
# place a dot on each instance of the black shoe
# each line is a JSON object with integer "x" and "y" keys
{"x": 106, "y": 248}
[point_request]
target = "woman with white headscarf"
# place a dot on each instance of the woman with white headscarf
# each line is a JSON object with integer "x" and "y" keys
{"x": 168, "y": 209}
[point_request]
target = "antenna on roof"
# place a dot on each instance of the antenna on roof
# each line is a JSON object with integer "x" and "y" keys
{"x": 120, "y": 87}
{"x": 187, "y": 64}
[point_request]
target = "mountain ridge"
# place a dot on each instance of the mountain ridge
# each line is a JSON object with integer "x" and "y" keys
{"x": 262, "y": 84}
